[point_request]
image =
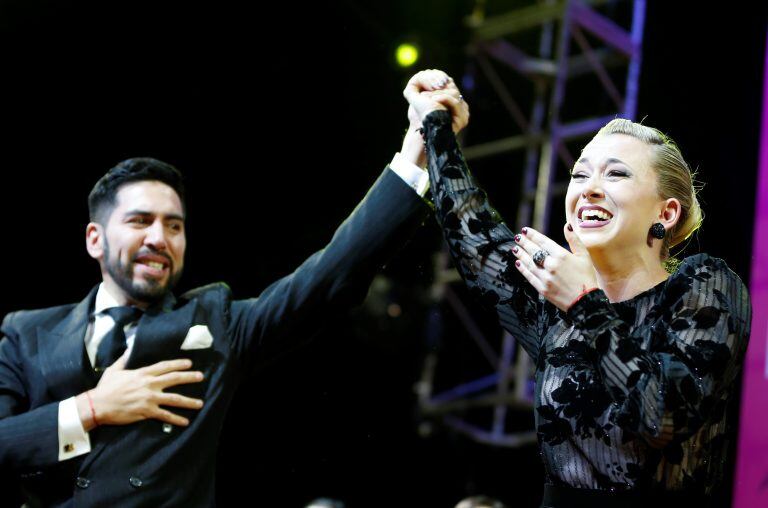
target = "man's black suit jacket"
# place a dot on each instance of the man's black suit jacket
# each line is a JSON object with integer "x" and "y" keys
{"x": 43, "y": 361}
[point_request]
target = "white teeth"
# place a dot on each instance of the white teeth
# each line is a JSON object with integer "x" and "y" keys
{"x": 594, "y": 215}
{"x": 155, "y": 265}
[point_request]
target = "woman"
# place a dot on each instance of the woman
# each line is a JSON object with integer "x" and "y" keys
{"x": 634, "y": 365}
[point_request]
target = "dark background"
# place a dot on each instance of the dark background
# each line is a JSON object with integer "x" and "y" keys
{"x": 281, "y": 115}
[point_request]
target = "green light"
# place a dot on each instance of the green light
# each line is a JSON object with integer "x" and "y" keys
{"x": 406, "y": 55}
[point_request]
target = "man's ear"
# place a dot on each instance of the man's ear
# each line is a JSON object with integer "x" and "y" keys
{"x": 94, "y": 240}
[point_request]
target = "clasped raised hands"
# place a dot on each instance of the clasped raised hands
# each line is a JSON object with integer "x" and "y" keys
{"x": 432, "y": 90}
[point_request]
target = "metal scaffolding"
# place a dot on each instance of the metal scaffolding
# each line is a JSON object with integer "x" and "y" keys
{"x": 608, "y": 36}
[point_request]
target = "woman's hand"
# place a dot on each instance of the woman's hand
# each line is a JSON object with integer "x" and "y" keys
{"x": 433, "y": 90}
{"x": 563, "y": 276}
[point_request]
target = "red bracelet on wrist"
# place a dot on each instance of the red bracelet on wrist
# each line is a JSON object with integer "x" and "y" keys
{"x": 93, "y": 411}
{"x": 581, "y": 295}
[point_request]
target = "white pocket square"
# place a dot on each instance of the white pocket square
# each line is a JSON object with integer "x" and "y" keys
{"x": 198, "y": 337}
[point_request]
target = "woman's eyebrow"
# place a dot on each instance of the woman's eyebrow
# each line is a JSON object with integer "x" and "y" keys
{"x": 610, "y": 160}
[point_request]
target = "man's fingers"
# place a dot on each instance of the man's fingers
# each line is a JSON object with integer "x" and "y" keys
{"x": 454, "y": 104}
{"x": 177, "y": 378}
{"x": 410, "y": 90}
{"x": 177, "y": 400}
{"x": 449, "y": 89}
{"x": 119, "y": 364}
{"x": 160, "y": 368}
{"x": 166, "y": 416}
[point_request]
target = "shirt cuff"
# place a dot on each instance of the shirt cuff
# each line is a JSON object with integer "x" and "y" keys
{"x": 413, "y": 176}
{"x": 73, "y": 439}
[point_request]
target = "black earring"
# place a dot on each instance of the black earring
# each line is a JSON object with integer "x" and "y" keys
{"x": 658, "y": 231}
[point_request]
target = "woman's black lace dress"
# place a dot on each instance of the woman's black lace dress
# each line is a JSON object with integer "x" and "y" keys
{"x": 629, "y": 395}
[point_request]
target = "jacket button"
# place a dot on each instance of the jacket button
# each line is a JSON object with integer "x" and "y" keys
{"x": 167, "y": 428}
{"x": 83, "y": 483}
{"x": 135, "y": 481}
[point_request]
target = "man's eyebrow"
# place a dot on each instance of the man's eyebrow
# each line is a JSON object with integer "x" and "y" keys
{"x": 170, "y": 216}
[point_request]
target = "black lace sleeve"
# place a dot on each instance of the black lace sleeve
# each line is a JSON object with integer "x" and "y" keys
{"x": 673, "y": 375}
{"x": 479, "y": 242}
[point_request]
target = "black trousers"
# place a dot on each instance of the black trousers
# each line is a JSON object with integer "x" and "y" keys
{"x": 556, "y": 496}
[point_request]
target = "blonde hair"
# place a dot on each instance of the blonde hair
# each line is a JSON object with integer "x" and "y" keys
{"x": 674, "y": 180}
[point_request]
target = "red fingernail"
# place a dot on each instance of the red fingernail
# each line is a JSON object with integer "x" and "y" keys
{"x": 525, "y": 231}
{"x": 515, "y": 249}
{"x": 570, "y": 228}
{"x": 517, "y": 238}
{"x": 517, "y": 263}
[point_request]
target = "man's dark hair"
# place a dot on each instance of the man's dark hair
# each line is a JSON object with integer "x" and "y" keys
{"x": 102, "y": 199}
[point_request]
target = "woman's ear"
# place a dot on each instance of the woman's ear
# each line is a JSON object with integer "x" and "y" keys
{"x": 670, "y": 213}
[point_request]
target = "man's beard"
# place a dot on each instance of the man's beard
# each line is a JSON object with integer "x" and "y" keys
{"x": 147, "y": 291}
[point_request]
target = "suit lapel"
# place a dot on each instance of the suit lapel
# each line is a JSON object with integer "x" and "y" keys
{"x": 62, "y": 352}
{"x": 160, "y": 334}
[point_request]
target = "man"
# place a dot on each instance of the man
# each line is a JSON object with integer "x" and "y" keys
{"x": 118, "y": 400}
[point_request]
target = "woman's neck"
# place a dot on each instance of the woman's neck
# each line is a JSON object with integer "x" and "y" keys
{"x": 624, "y": 277}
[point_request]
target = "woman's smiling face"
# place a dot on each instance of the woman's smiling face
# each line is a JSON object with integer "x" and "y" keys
{"x": 612, "y": 198}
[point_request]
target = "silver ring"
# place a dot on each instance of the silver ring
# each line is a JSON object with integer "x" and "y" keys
{"x": 539, "y": 256}
{"x": 461, "y": 98}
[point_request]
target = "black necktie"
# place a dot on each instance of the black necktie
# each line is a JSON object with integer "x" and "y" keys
{"x": 113, "y": 344}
